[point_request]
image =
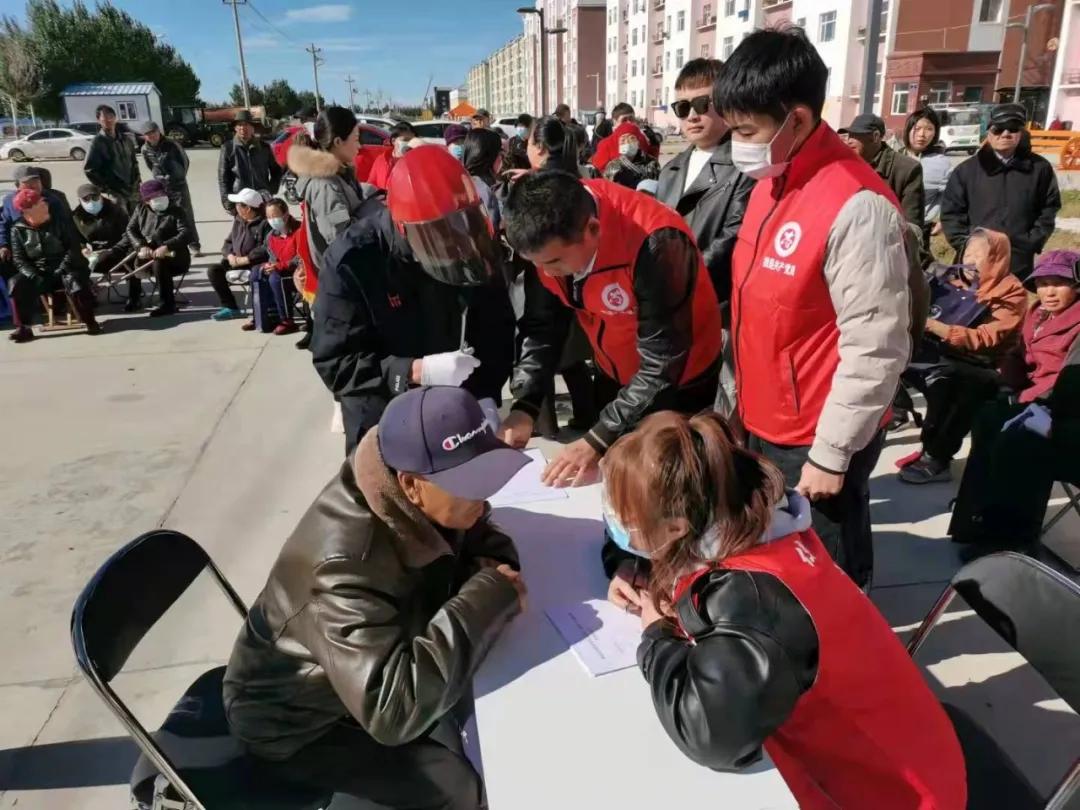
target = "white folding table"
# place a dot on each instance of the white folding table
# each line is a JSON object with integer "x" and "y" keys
{"x": 552, "y": 737}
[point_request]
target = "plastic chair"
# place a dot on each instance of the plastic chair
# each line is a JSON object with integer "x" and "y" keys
{"x": 201, "y": 766}
{"x": 1036, "y": 611}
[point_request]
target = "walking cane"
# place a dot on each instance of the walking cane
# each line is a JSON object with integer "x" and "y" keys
{"x": 141, "y": 267}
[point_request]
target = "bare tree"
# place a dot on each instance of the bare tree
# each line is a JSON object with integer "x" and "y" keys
{"x": 21, "y": 77}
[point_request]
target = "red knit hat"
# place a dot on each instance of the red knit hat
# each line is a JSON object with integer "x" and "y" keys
{"x": 25, "y": 199}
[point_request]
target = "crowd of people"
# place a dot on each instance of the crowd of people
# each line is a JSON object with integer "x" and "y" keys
{"x": 734, "y": 328}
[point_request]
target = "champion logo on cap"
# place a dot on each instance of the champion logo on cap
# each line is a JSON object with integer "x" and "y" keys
{"x": 455, "y": 441}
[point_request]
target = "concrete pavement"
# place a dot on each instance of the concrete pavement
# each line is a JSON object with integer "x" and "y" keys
{"x": 197, "y": 426}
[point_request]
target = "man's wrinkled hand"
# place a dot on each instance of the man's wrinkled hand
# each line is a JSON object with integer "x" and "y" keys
{"x": 518, "y": 583}
{"x": 161, "y": 252}
{"x": 816, "y": 484}
{"x": 577, "y": 465}
{"x": 516, "y": 429}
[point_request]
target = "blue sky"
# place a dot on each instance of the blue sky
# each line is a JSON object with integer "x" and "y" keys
{"x": 392, "y": 45}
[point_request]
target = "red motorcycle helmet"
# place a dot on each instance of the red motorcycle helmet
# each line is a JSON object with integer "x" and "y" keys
{"x": 434, "y": 202}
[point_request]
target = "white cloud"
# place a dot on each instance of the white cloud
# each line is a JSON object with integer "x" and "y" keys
{"x": 319, "y": 14}
{"x": 258, "y": 42}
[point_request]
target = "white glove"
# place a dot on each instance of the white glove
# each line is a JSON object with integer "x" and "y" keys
{"x": 448, "y": 368}
{"x": 1034, "y": 418}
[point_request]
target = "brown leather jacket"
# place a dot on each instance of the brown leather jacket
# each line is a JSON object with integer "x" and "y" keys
{"x": 369, "y": 611}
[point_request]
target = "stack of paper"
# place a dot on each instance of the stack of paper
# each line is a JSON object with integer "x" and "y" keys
{"x": 603, "y": 637}
{"x": 526, "y": 486}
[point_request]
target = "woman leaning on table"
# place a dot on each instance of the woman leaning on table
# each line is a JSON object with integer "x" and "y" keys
{"x": 753, "y": 638}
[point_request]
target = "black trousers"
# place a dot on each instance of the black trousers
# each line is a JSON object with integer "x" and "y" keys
{"x": 108, "y": 259}
{"x": 953, "y": 397}
{"x": 422, "y": 775}
{"x": 165, "y": 270}
{"x": 220, "y": 283}
{"x": 843, "y": 521}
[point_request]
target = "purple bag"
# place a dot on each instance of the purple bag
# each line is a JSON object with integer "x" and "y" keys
{"x": 955, "y": 306}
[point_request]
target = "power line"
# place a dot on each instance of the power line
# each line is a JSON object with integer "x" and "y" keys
{"x": 277, "y": 30}
{"x": 315, "y": 62}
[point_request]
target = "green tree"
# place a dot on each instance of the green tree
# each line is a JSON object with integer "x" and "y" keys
{"x": 236, "y": 95}
{"x": 307, "y": 99}
{"x": 280, "y": 99}
{"x": 76, "y": 44}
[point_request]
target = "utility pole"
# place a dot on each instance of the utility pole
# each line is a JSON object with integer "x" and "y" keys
{"x": 240, "y": 48}
{"x": 349, "y": 80}
{"x": 315, "y": 62}
{"x": 873, "y": 34}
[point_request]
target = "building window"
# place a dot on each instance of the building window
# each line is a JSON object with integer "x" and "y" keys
{"x": 899, "y": 99}
{"x": 680, "y": 21}
{"x": 667, "y": 25}
{"x": 704, "y": 50}
{"x": 940, "y": 92}
{"x": 827, "y": 27}
{"x": 801, "y": 23}
{"x": 127, "y": 111}
{"x": 666, "y": 89}
{"x": 678, "y": 58}
{"x": 729, "y": 8}
{"x": 633, "y": 37}
{"x": 990, "y": 11}
{"x": 973, "y": 94}
{"x": 667, "y": 60}
{"x": 729, "y": 47}
{"x": 633, "y": 67}
{"x": 633, "y": 98}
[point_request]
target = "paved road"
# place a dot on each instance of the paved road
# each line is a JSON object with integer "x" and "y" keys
{"x": 197, "y": 426}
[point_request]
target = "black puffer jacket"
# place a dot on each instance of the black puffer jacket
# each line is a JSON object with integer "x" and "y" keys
{"x": 167, "y": 161}
{"x": 246, "y": 165}
{"x": 48, "y": 252}
{"x": 106, "y": 230}
{"x": 377, "y": 311}
{"x": 713, "y": 206}
{"x": 1020, "y": 199}
{"x": 357, "y": 618}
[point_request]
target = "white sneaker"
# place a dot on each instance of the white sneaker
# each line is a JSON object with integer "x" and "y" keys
{"x": 337, "y": 422}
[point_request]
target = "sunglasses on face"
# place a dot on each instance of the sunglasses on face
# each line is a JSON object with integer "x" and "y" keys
{"x": 699, "y": 104}
{"x": 998, "y": 129}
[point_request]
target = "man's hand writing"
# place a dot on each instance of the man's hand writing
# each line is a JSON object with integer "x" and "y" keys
{"x": 577, "y": 465}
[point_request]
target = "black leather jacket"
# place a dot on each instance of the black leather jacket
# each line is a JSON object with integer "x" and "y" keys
{"x": 112, "y": 164}
{"x": 48, "y": 251}
{"x": 106, "y": 230}
{"x": 167, "y": 161}
{"x": 754, "y": 653}
{"x": 246, "y": 165}
{"x": 148, "y": 228}
{"x": 713, "y": 206}
{"x": 386, "y": 625}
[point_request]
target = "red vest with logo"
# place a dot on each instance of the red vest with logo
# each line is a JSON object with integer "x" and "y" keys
{"x": 869, "y": 733}
{"x": 608, "y": 308}
{"x": 783, "y": 319}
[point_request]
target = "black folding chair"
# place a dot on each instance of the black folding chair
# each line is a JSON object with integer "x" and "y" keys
{"x": 1036, "y": 611}
{"x": 191, "y": 762}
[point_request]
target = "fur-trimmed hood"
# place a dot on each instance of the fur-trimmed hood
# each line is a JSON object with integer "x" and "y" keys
{"x": 307, "y": 162}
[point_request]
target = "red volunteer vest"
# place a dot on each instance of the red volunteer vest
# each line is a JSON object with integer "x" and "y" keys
{"x": 608, "y": 310}
{"x": 869, "y": 733}
{"x": 783, "y": 320}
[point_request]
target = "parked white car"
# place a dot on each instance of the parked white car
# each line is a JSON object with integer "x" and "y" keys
{"x": 508, "y": 126}
{"x": 48, "y": 143}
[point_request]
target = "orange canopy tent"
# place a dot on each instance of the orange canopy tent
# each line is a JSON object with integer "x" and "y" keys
{"x": 464, "y": 110}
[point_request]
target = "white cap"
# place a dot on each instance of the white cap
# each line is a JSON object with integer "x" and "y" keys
{"x": 248, "y": 196}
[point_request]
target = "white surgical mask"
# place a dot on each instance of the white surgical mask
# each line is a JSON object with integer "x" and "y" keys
{"x": 159, "y": 204}
{"x": 92, "y": 207}
{"x": 629, "y": 149}
{"x": 457, "y": 150}
{"x": 401, "y": 147}
{"x": 757, "y": 160}
{"x": 523, "y": 132}
{"x": 277, "y": 223}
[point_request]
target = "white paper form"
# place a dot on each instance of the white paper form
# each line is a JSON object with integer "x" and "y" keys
{"x": 603, "y": 638}
{"x": 526, "y": 486}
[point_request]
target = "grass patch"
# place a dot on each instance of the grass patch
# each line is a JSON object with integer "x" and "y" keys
{"x": 1070, "y": 204}
{"x": 1059, "y": 240}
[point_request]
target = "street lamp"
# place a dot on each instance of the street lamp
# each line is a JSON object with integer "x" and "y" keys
{"x": 1026, "y": 25}
{"x": 543, "y": 55}
{"x": 555, "y": 32}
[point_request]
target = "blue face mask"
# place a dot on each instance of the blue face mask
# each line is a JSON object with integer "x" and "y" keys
{"x": 92, "y": 207}
{"x": 523, "y": 132}
{"x": 457, "y": 150}
{"x": 277, "y": 223}
{"x": 620, "y": 536}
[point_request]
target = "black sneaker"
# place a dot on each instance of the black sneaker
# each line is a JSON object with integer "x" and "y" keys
{"x": 133, "y": 305}
{"x": 24, "y": 334}
{"x": 93, "y": 328}
{"x": 304, "y": 342}
{"x": 162, "y": 311}
{"x": 926, "y": 470}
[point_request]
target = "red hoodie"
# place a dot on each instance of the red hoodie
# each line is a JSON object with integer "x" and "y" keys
{"x": 608, "y": 149}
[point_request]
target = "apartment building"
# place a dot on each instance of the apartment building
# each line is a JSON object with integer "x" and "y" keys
{"x": 1064, "y": 100}
{"x": 498, "y": 83}
{"x": 649, "y": 41}
{"x": 576, "y": 62}
{"x": 969, "y": 51}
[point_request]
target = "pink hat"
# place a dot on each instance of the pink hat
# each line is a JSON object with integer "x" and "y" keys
{"x": 1061, "y": 263}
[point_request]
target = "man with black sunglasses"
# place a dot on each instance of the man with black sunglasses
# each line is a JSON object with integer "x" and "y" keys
{"x": 1005, "y": 187}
